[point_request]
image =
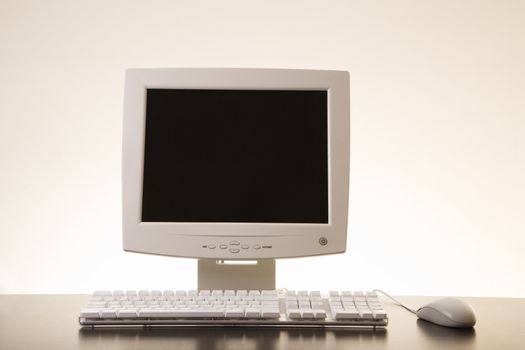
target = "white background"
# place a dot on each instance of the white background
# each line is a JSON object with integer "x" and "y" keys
{"x": 438, "y": 123}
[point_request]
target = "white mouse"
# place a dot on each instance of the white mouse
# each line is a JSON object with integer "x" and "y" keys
{"x": 448, "y": 312}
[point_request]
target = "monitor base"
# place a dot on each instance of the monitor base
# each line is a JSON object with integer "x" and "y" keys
{"x": 236, "y": 274}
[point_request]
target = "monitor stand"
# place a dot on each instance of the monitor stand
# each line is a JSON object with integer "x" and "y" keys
{"x": 236, "y": 274}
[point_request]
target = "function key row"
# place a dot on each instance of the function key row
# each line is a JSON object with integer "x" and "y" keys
{"x": 290, "y": 293}
{"x": 183, "y": 293}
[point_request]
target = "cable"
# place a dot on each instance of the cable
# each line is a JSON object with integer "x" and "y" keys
{"x": 396, "y": 301}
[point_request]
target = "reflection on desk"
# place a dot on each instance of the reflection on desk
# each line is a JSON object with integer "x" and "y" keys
{"x": 444, "y": 336}
{"x": 208, "y": 338}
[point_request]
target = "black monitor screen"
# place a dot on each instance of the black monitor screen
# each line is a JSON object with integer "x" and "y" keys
{"x": 236, "y": 156}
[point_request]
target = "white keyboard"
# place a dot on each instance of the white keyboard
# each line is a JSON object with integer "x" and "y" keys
{"x": 234, "y": 308}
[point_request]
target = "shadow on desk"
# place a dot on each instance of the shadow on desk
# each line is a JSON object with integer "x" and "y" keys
{"x": 207, "y": 338}
{"x": 443, "y": 335}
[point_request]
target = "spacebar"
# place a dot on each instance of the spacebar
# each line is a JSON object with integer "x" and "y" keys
{"x": 181, "y": 313}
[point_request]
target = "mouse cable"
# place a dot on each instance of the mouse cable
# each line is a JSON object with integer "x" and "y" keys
{"x": 396, "y": 301}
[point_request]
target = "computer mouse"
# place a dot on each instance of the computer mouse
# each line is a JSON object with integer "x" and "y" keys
{"x": 448, "y": 312}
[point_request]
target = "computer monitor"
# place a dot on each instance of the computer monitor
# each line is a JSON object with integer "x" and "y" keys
{"x": 235, "y": 164}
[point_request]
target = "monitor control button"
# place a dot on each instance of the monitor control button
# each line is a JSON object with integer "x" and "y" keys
{"x": 245, "y": 246}
{"x": 234, "y": 243}
{"x": 234, "y": 250}
{"x": 211, "y": 246}
{"x": 256, "y": 246}
{"x": 223, "y": 246}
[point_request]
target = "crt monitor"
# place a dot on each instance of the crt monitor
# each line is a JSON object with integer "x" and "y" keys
{"x": 236, "y": 164}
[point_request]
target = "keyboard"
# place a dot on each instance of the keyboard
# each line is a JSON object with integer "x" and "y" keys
{"x": 270, "y": 308}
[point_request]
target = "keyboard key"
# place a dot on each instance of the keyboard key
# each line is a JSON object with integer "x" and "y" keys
{"x": 234, "y": 313}
{"x": 102, "y": 293}
{"x": 197, "y": 313}
{"x": 90, "y": 313}
{"x": 317, "y": 305}
{"x": 347, "y": 315}
{"x": 294, "y": 314}
{"x": 366, "y": 314}
{"x": 108, "y": 313}
{"x": 307, "y": 314}
{"x": 270, "y": 313}
{"x": 270, "y": 303}
{"x": 272, "y": 293}
{"x": 379, "y": 314}
{"x": 304, "y": 304}
{"x": 252, "y": 313}
{"x": 319, "y": 314}
{"x": 156, "y": 313}
{"x": 127, "y": 313}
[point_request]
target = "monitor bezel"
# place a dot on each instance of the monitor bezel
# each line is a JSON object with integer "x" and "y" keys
{"x": 273, "y": 240}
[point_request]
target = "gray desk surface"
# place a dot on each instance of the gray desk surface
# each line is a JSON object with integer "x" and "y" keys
{"x": 51, "y": 322}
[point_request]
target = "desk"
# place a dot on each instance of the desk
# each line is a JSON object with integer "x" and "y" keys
{"x": 25, "y": 323}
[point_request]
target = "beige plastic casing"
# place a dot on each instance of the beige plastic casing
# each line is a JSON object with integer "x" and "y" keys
{"x": 273, "y": 240}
